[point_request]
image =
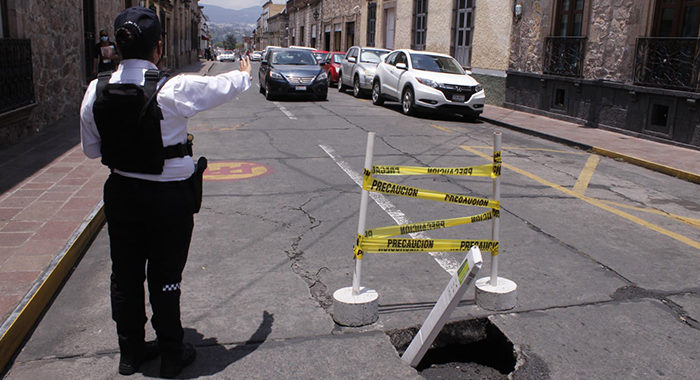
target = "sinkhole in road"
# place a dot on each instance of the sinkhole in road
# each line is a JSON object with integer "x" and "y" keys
{"x": 469, "y": 349}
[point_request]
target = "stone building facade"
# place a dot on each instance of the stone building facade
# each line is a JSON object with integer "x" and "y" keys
{"x": 304, "y": 20}
{"x": 268, "y": 32}
{"x": 340, "y": 25}
{"x": 47, "y": 52}
{"x": 616, "y": 66}
{"x": 278, "y": 29}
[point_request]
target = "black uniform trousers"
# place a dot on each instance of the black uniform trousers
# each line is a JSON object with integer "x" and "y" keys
{"x": 150, "y": 226}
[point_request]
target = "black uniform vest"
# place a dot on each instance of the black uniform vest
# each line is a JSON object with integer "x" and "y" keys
{"x": 128, "y": 121}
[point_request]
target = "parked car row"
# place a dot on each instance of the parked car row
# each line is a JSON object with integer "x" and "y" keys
{"x": 419, "y": 80}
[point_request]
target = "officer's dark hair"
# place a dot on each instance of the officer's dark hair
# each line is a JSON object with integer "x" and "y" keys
{"x": 130, "y": 44}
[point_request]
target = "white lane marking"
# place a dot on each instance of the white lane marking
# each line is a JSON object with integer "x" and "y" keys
{"x": 447, "y": 261}
{"x": 284, "y": 111}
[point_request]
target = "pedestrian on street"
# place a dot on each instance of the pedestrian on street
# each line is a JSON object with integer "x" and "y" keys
{"x": 137, "y": 122}
{"x": 106, "y": 57}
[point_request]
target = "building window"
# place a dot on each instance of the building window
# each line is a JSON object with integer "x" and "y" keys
{"x": 4, "y": 30}
{"x": 313, "y": 36}
{"x": 128, "y": 4}
{"x": 327, "y": 38}
{"x": 337, "y": 36}
{"x": 569, "y": 21}
{"x": 349, "y": 34}
{"x": 462, "y": 38}
{"x": 293, "y": 37}
{"x": 371, "y": 23}
{"x": 677, "y": 18}
{"x": 420, "y": 25}
{"x": 301, "y": 35}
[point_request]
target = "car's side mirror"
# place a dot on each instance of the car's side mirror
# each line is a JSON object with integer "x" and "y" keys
{"x": 401, "y": 66}
{"x": 467, "y": 70}
{"x": 352, "y": 59}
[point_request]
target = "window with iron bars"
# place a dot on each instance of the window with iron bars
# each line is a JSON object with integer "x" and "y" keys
{"x": 371, "y": 23}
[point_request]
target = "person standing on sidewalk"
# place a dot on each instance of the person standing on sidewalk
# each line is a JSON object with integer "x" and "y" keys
{"x": 137, "y": 122}
{"x": 106, "y": 56}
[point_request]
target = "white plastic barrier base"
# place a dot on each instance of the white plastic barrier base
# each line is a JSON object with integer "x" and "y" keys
{"x": 503, "y": 296}
{"x": 355, "y": 310}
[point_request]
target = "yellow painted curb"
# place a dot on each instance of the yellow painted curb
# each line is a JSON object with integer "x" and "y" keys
{"x": 682, "y": 174}
{"x": 33, "y": 305}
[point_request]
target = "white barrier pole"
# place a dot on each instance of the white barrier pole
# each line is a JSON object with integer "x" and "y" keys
{"x": 369, "y": 153}
{"x": 496, "y": 221}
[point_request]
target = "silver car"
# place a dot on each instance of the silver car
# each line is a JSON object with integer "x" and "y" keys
{"x": 357, "y": 69}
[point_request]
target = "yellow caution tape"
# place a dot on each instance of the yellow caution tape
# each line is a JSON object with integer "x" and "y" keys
{"x": 474, "y": 171}
{"x": 372, "y": 184}
{"x": 383, "y": 232}
{"x": 383, "y": 245}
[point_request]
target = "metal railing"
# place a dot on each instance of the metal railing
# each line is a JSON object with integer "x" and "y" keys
{"x": 672, "y": 63}
{"x": 16, "y": 77}
{"x": 564, "y": 56}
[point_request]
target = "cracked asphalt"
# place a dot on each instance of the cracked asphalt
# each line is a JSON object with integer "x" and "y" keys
{"x": 601, "y": 294}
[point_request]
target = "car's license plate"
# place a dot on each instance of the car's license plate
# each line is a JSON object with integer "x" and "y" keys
{"x": 457, "y": 98}
{"x": 300, "y": 88}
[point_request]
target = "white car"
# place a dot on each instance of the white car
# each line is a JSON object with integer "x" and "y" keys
{"x": 426, "y": 80}
{"x": 357, "y": 69}
{"x": 226, "y": 55}
{"x": 256, "y": 56}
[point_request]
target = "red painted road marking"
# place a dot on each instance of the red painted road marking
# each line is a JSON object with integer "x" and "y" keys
{"x": 234, "y": 170}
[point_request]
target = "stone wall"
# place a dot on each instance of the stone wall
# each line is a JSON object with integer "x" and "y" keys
{"x": 613, "y": 29}
{"x": 404, "y": 24}
{"x": 527, "y": 39}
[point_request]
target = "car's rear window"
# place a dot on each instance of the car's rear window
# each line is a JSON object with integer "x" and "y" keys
{"x": 293, "y": 57}
{"x": 436, "y": 63}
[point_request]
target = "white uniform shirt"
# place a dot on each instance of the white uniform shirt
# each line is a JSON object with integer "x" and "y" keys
{"x": 180, "y": 98}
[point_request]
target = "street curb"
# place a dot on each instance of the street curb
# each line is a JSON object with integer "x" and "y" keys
{"x": 678, "y": 173}
{"x": 538, "y": 134}
{"x": 15, "y": 329}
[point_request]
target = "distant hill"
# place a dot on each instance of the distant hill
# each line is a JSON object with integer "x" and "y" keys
{"x": 221, "y": 15}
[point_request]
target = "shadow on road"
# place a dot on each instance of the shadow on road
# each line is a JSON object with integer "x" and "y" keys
{"x": 212, "y": 356}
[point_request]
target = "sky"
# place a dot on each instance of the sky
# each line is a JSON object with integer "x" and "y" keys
{"x": 238, "y": 4}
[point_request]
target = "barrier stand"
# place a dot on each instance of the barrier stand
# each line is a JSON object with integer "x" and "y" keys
{"x": 496, "y": 293}
{"x": 356, "y": 305}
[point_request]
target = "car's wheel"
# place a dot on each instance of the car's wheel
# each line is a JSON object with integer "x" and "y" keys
{"x": 356, "y": 90}
{"x": 377, "y": 98}
{"x": 407, "y": 103}
{"x": 268, "y": 93}
{"x": 341, "y": 86}
{"x": 260, "y": 88}
{"x": 322, "y": 96}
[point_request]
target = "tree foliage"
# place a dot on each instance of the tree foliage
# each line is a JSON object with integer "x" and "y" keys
{"x": 230, "y": 42}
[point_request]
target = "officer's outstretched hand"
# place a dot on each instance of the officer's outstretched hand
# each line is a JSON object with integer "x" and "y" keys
{"x": 245, "y": 66}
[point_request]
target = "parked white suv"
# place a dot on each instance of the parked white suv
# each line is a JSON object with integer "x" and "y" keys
{"x": 357, "y": 69}
{"x": 420, "y": 79}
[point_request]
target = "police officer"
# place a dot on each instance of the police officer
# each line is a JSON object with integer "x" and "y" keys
{"x": 137, "y": 122}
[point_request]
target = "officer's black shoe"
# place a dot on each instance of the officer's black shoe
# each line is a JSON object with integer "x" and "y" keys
{"x": 129, "y": 362}
{"x": 172, "y": 362}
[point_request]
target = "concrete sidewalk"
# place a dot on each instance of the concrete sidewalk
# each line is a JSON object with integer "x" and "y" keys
{"x": 50, "y": 211}
{"x": 665, "y": 158}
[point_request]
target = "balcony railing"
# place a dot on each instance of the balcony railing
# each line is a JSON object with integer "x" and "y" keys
{"x": 672, "y": 63}
{"x": 564, "y": 56}
{"x": 16, "y": 80}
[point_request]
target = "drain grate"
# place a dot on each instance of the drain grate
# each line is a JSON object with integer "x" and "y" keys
{"x": 472, "y": 349}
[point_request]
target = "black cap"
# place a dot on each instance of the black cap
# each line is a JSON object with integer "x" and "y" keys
{"x": 143, "y": 22}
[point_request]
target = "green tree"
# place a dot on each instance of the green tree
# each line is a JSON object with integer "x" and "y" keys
{"x": 230, "y": 42}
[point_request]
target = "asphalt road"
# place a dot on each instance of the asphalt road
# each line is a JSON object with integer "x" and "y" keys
{"x": 605, "y": 253}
